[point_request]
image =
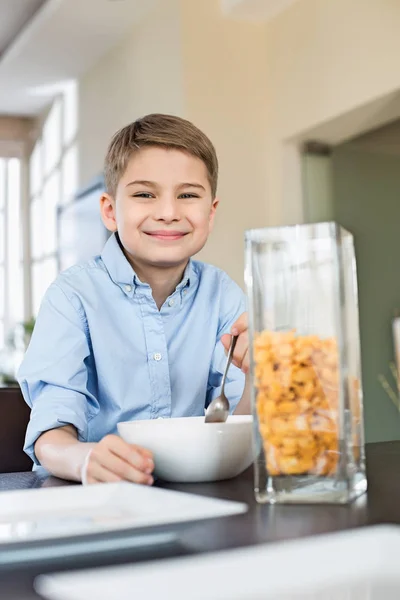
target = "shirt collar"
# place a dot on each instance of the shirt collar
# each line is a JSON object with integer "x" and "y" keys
{"x": 122, "y": 273}
{"x": 188, "y": 277}
{"x": 116, "y": 263}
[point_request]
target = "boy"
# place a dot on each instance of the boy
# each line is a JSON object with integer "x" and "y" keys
{"x": 136, "y": 332}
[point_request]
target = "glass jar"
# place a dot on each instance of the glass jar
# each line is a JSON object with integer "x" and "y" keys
{"x": 305, "y": 364}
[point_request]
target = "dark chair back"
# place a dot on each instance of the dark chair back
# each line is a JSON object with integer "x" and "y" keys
{"x": 14, "y": 418}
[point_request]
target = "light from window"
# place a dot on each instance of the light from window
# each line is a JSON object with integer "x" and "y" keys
{"x": 70, "y": 112}
{"x": 2, "y": 183}
{"x": 2, "y": 239}
{"x": 52, "y": 144}
{"x": 51, "y": 199}
{"x": 35, "y": 169}
{"x": 69, "y": 174}
{"x": 53, "y": 182}
{"x": 2, "y": 287}
{"x": 11, "y": 279}
{"x": 17, "y": 298}
{"x": 14, "y": 290}
{"x": 43, "y": 274}
{"x": 38, "y": 288}
{"x": 36, "y": 224}
{"x": 2, "y": 248}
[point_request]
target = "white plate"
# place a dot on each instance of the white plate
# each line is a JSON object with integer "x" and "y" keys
{"x": 49, "y": 522}
{"x": 361, "y": 564}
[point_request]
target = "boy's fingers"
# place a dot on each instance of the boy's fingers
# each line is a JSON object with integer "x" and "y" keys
{"x": 142, "y": 456}
{"x": 129, "y": 453}
{"x": 226, "y": 341}
{"x": 98, "y": 474}
{"x": 240, "y": 325}
{"x": 242, "y": 346}
{"x": 120, "y": 468}
{"x": 112, "y": 473}
{"x": 143, "y": 451}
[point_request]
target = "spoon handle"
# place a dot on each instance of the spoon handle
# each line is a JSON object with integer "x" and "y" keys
{"x": 229, "y": 360}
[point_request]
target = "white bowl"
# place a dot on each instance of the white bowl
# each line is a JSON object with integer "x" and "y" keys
{"x": 189, "y": 450}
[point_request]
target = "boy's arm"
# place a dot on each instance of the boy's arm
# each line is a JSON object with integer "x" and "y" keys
{"x": 60, "y": 452}
{"x": 54, "y": 375}
{"x": 58, "y": 382}
{"x": 110, "y": 460}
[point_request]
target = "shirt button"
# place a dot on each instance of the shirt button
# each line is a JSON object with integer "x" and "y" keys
{"x": 171, "y": 302}
{"x": 128, "y": 288}
{"x": 185, "y": 292}
{"x": 157, "y": 356}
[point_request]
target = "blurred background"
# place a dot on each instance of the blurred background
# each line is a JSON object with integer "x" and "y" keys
{"x": 300, "y": 97}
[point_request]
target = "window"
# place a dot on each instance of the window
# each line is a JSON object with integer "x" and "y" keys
{"x": 2, "y": 248}
{"x": 11, "y": 258}
{"x": 53, "y": 181}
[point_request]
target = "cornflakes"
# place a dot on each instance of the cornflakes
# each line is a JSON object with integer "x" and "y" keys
{"x": 297, "y": 381}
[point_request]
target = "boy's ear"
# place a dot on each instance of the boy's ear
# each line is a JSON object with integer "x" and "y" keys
{"x": 107, "y": 211}
{"x": 212, "y": 212}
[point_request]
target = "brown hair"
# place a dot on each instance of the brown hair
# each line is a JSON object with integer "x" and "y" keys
{"x": 158, "y": 130}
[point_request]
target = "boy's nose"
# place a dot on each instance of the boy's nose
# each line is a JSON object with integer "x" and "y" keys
{"x": 167, "y": 209}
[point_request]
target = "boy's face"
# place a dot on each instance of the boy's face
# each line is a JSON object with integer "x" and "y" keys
{"x": 163, "y": 208}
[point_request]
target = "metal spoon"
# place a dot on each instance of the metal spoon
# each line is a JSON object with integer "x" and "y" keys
{"x": 218, "y": 409}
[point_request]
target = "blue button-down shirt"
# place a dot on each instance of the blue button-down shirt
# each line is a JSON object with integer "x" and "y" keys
{"x": 102, "y": 352}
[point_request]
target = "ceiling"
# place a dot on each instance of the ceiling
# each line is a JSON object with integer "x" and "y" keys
{"x": 46, "y": 42}
{"x": 14, "y": 16}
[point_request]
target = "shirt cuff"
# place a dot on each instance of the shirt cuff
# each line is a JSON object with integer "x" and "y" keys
{"x": 54, "y": 416}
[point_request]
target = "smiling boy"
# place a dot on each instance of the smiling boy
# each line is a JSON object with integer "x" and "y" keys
{"x": 139, "y": 332}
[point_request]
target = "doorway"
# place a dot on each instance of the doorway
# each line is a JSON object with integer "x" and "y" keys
{"x": 357, "y": 184}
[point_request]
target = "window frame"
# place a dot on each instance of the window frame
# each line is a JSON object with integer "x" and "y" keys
{"x": 67, "y": 135}
{"x": 7, "y": 320}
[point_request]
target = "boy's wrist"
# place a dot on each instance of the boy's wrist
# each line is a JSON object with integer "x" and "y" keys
{"x": 84, "y": 466}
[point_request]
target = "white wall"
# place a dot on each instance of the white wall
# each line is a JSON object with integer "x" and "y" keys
{"x": 225, "y": 95}
{"x": 142, "y": 74}
{"x": 324, "y": 59}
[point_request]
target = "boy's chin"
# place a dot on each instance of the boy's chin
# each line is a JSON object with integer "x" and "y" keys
{"x": 167, "y": 260}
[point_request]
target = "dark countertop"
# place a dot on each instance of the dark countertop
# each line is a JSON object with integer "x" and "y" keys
{"x": 262, "y": 523}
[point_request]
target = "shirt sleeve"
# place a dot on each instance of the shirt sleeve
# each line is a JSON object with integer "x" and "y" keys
{"x": 233, "y": 304}
{"x": 55, "y": 373}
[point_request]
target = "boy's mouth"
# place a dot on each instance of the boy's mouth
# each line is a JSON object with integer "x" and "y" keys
{"x": 166, "y": 235}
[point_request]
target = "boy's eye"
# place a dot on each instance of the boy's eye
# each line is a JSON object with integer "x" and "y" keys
{"x": 143, "y": 195}
{"x": 188, "y": 195}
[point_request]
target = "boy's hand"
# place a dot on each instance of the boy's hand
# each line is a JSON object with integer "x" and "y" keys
{"x": 241, "y": 353}
{"x": 112, "y": 459}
